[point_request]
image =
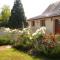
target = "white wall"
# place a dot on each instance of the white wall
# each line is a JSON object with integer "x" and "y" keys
{"x": 49, "y": 25}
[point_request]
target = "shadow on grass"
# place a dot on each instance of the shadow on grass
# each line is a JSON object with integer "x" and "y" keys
{"x": 39, "y": 56}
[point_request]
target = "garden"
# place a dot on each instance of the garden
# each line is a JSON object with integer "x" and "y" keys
{"x": 38, "y": 45}
{"x": 25, "y": 45}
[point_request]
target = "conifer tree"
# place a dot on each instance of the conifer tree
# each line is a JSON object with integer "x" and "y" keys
{"x": 17, "y": 18}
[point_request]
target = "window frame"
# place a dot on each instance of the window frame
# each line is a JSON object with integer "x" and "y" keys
{"x": 32, "y": 23}
{"x": 42, "y": 22}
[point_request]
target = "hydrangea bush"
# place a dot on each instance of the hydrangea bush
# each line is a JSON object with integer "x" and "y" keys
{"x": 24, "y": 40}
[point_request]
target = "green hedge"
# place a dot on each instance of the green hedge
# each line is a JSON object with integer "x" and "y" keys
{"x": 6, "y": 40}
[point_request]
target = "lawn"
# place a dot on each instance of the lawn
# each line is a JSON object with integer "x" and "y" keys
{"x": 12, "y": 54}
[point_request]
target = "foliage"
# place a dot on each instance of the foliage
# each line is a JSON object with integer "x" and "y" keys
{"x": 24, "y": 40}
{"x": 58, "y": 37}
{"x": 5, "y": 14}
{"x": 47, "y": 44}
{"x": 50, "y": 47}
{"x": 17, "y": 18}
{"x": 40, "y": 41}
{"x": 38, "y": 38}
{"x": 6, "y": 40}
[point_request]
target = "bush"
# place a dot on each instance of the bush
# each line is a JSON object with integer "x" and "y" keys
{"x": 6, "y": 40}
{"x": 50, "y": 47}
{"x": 56, "y": 51}
{"x": 38, "y": 42}
{"x": 24, "y": 41}
{"x": 58, "y": 37}
{"x": 47, "y": 44}
{"x": 38, "y": 38}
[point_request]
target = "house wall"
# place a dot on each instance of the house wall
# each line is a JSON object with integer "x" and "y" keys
{"x": 49, "y": 23}
{"x": 36, "y": 26}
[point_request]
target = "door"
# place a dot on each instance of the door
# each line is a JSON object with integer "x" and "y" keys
{"x": 57, "y": 26}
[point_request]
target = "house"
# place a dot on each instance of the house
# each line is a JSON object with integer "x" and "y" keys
{"x": 50, "y": 18}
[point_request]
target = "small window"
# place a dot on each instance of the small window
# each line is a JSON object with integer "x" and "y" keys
{"x": 57, "y": 22}
{"x": 42, "y": 22}
{"x": 33, "y": 23}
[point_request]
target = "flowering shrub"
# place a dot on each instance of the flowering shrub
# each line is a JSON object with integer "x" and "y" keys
{"x": 38, "y": 38}
{"x": 40, "y": 41}
{"x": 48, "y": 44}
{"x": 24, "y": 40}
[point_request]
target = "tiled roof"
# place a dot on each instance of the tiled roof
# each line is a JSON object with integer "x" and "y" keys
{"x": 52, "y": 10}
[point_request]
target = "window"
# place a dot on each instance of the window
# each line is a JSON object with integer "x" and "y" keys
{"x": 58, "y": 22}
{"x": 42, "y": 22}
{"x": 33, "y": 23}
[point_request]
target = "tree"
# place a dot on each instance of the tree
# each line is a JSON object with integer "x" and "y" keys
{"x": 17, "y": 19}
{"x": 5, "y": 14}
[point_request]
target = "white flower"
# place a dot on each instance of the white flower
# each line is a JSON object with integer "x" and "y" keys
{"x": 7, "y": 30}
{"x": 28, "y": 32}
{"x": 20, "y": 32}
{"x": 38, "y": 30}
{"x": 14, "y": 30}
{"x": 34, "y": 34}
{"x": 30, "y": 37}
{"x": 43, "y": 30}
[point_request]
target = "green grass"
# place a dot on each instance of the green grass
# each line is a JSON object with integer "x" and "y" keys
{"x": 12, "y": 54}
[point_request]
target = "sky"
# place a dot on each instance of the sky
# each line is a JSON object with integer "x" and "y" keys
{"x": 32, "y": 8}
